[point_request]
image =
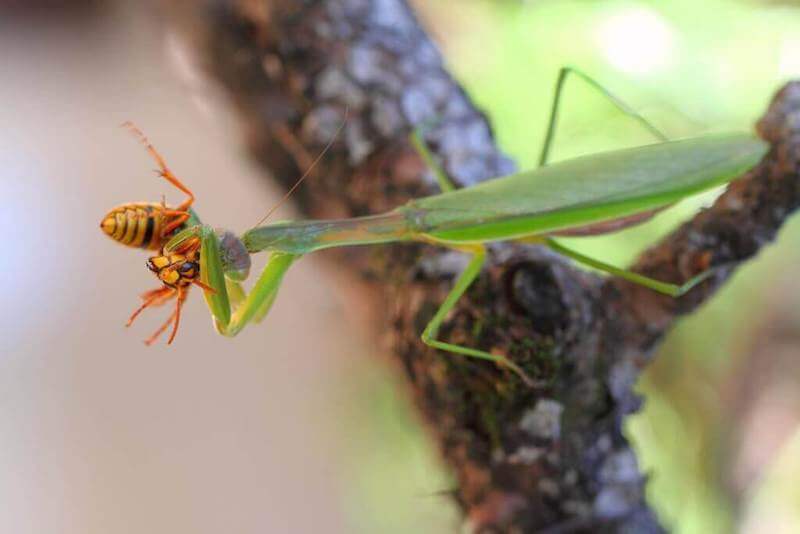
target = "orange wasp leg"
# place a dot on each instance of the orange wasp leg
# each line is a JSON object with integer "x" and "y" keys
{"x": 174, "y": 319}
{"x": 159, "y": 296}
{"x": 151, "y": 298}
{"x": 176, "y": 315}
{"x": 164, "y": 171}
{"x": 188, "y": 246}
{"x": 205, "y": 287}
{"x": 152, "y": 339}
{"x": 178, "y": 305}
{"x": 180, "y": 217}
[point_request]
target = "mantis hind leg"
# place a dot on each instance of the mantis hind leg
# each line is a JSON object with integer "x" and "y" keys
{"x": 621, "y": 105}
{"x": 463, "y": 282}
{"x": 666, "y": 288}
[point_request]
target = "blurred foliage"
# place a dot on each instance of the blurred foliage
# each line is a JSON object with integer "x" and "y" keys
{"x": 690, "y": 67}
{"x": 396, "y": 482}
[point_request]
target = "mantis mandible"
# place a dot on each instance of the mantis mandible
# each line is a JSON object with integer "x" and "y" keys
{"x": 590, "y": 194}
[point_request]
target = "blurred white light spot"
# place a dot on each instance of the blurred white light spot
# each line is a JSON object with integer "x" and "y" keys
{"x": 636, "y": 40}
{"x": 789, "y": 58}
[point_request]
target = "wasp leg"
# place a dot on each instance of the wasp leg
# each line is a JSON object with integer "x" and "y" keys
{"x": 192, "y": 244}
{"x": 164, "y": 171}
{"x": 180, "y": 217}
{"x": 182, "y": 293}
{"x": 152, "y": 339}
{"x": 174, "y": 319}
{"x": 151, "y": 298}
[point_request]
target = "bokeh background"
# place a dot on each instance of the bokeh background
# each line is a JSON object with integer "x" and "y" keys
{"x": 302, "y": 424}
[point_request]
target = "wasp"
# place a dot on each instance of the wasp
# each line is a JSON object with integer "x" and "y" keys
{"x": 150, "y": 225}
{"x": 179, "y": 237}
{"x": 177, "y": 270}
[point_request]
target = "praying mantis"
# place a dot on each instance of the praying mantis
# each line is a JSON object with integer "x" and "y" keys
{"x": 587, "y": 195}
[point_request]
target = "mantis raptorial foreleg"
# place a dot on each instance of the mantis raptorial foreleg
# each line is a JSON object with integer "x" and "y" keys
{"x": 262, "y": 295}
{"x": 621, "y": 105}
{"x": 230, "y": 306}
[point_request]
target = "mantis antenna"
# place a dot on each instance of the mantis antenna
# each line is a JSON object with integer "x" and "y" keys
{"x": 288, "y": 194}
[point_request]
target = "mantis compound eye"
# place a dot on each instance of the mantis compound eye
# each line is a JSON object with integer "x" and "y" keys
{"x": 235, "y": 257}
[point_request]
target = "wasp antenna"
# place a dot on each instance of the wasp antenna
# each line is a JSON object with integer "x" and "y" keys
{"x": 162, "y": 171}
{"x": 289, "y": 193}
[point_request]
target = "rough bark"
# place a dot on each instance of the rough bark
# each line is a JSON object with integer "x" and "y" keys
{"x": 551, "y": 459}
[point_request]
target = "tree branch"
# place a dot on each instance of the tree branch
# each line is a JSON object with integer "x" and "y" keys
{"x": 552, "y": 459}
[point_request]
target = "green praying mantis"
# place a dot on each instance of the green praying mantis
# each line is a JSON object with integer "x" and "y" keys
{"x": 592, "y": 194}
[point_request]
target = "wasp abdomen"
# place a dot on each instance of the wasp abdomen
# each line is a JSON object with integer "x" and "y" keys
{"x": 138, "y": 224}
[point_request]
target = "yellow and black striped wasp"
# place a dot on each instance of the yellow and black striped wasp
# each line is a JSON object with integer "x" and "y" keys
{"x": 150, "y": 225}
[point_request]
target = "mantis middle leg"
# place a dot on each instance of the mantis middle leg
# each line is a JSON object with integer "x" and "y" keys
{"x": 461, "y": 285}
{"x": 464, "y": 281}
